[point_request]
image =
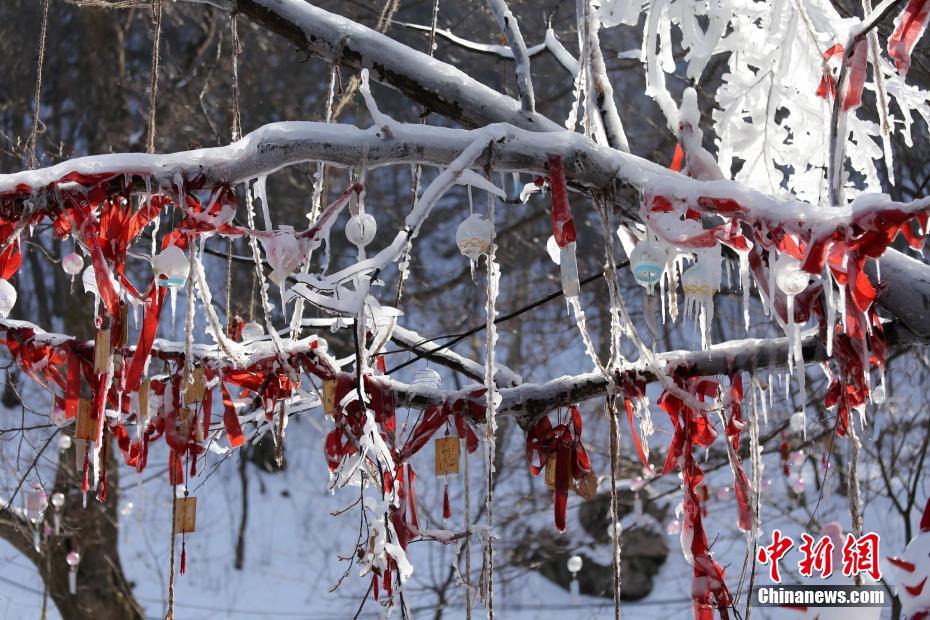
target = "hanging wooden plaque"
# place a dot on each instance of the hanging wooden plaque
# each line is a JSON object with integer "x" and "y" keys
{"x": 144, "y": 389}
{"x": 447, "y": 456}
{"x": 184, "y": 423}
{"x": 185, "y": 515}
{"x": 197, "y": 389}
{"x": 329, "y": 397}
{"x": 123, "y": 339}
{"x": 586, "y": 487}
{"x": 550, "y": 472}
{"x": 85, "y": 427}
{"x": 102, "y": 351}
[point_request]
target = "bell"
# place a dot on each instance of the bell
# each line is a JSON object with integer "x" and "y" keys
{"x": 428, "y": 378}
{"x": 171, "y": 267}
{"x": 647, "y": 262}
{"x": 72, "y": 263}
{"x": 283, "y": 253}
{"x": 700, "y": 283}
{"x": 361, "y": 229}
{"x": 474, "y": 236}
{"x": 7, "y": 298}
{"x": 789, "y": 277}
{"x": 36, "y": 503}
{"x": 252, "y": 331}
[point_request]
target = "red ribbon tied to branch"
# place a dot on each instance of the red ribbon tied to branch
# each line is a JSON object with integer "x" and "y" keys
{"x": 571, "y": 460}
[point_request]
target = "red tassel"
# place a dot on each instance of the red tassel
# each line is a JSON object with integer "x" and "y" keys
{"x": 446, "y": 506}
{"x": 183, "y": 556}
{"x": 84, "y": 483}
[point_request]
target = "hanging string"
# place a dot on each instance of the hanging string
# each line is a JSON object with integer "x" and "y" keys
{"x": 36, "y": 98}
{"x": 855, "y": 505}
{"x": 229, "y": 262}
{"x": 491, "y": 421}
{"x": 174, "y": 511}
{"x": 156, "y": 59}
{"x": 614, "y": 505}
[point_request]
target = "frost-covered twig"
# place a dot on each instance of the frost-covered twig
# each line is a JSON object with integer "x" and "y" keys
{"x": 604, "y": 90}
{"x": 511, "y": 29}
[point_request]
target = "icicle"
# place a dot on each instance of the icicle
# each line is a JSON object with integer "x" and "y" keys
{"x": 745, "y": 284}
{"x": 831, "y": 309}
{"x": 790, "y": 332}
{"x": 261, "y": 194}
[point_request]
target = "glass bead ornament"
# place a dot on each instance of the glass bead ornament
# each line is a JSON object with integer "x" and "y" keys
{"x": 361, "y": 229}
{"x": 171, "y": 267}
{"x": 647, "y": 262}
{"x": 73, "y": 559}
{"x": 798, "y": 422}
{"x": 798, "y": 485}
{"x": 428, "y": 378}
{"x": 64, "y": 442}
{"x": 252, "y": 331}
{"x": 7, "y": 298}
{"x": 474, "y": 236}
{"x": 789, "y": 277}
{"x": 700, "y": 283}
{"x": 673, "y": 528}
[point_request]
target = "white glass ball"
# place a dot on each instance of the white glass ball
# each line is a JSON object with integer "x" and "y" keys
{"x": 798, "y": 486}
{"x": 788, "y": 275}
{"x": 474, "y": 236}
{"x": 574, "y": 564}
{"x": 252, "y": 331}
{"x": 798, "y": 422}
{"x": 64, "y": 442}
{"x": 673, "y": 528}
{"x": 73, "y": 559}
{"x": 72, "y": 263}
{"x": 171, "y": 267}
{"x": 58, "y": 500}
{"x": 361, "y": 229}
{"x": 647, "y": 262}
{"x": 427, "y": 377}
{"x": 7, "y": 298}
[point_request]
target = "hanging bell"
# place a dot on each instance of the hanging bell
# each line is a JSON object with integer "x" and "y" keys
{"x": 700, "y": 283}
{"x": 36, "y": 503}
{"x": 428, "y": 378}
{"x": 171, "y": 267}
{"x": 283, "y": 253}
{"x": 361, "y": 229}
{"x": 252, "y": 331}
{"x": 789, "y": 277}
{"x": 72, "y": 263}
{"x": 474, "y": 236}
{"x": 7, "y": 298}
{"x": 647, "y": 262}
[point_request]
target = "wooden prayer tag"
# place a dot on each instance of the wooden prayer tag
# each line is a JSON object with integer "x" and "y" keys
{"x": 144, "y": 388}
{"x": 184, "y": 423}
{"x": 197, "y": 388}
{"x": 447, "y": 456}
{"x": 123, "y": 326}
{"x": 102, "y": 351}
{"x": 86, "y": 426}
{"x": 329, "y": 397}
{"x": 550, "y": 472}
{"x": 586, "y": 487}
{"x": 185, "y": 515}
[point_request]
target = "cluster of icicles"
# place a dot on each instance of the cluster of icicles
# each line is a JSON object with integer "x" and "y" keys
{"x": 658, "y": 265}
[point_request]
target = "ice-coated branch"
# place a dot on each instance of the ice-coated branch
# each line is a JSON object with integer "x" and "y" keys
{"x": 437, "y": 86}
{"x": 550, "y": 44}
{"x": 511, "y": 29}
{"x": 837, "y": 142}
{"x": 604, "y": 90}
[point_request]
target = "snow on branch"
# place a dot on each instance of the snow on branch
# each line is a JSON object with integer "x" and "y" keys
{"x": 511, "y": 29}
